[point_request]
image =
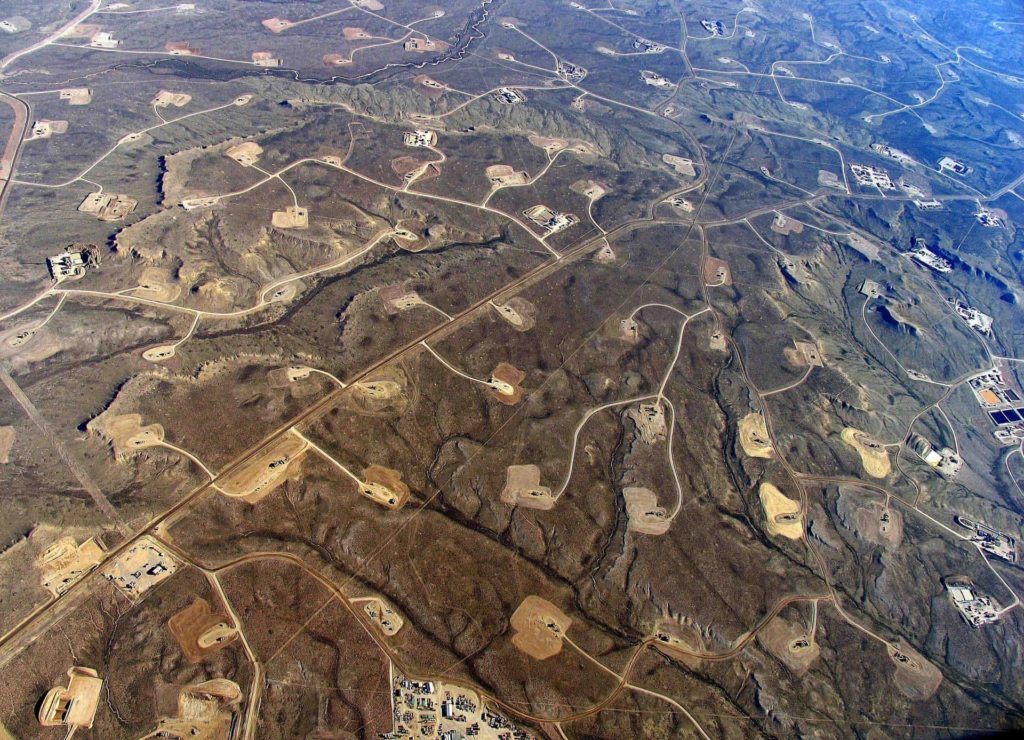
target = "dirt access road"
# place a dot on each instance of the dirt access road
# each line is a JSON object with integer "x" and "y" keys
{"x": 21, "y": 110}
{"x": 13, "y": 149}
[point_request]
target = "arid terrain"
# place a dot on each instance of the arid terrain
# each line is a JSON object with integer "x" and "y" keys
{"x": 511, "y": 369}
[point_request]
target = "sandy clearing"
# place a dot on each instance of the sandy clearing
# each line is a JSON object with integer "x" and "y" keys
{"x": 645, "y": 516}
{"x": 754, "y": 436}
{"x": 873, "y": 456}
{"x": 539, "y": 628}
{"x": 791, "y": 644}
{"x": 523, "y": 488}
{"x": 782, "y": 514}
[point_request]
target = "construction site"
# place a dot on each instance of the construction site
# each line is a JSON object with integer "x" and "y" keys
{"x": 73, "y": 706}
{"x": 65, "y": 562}
{"x": 503, "y": 175}
{"x": 754, "y": 437}
{"x": 292, "y": 217}
{"x": 108, "y": 207}
{"x": 141, "y": 567}
{"x": 549, "y": 220}
{"x": 385, "y": 487}
{"x": 206, "y": 711}
{"x": 246, "y": 154}
{"x": 976, "y": 609}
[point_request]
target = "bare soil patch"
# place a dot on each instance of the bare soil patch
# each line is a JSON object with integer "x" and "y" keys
{"x": 292, "y": 217}
{"x": 277, "y": 24}
{"x": 784, "y": 225}
{"x": 782, "y": 514}
{"x": 156, "y": 285}
{"x": 803, "y": 354}
{"x": 680, "y": 639}
{"x": 503, "y": 175}
{"x": 82, "y": 31}
{"x": 205, "y": 711}
{"x": 126, "y": 433}
{"x": 507, "y": 389}
{"x": 717, "y": 272}
{"x": 388, "y": 393}
{"x": 862, "y": 245}
{"x": 547, "y": 143}
{"x": 644, "y": 514}
{"x": 590, "y": 189}
{"x": 629, "y": 329}
{"x": 523, "y": 488}
{"x": 265, "y": 471}
{"x": 65, "y": 561}
{"x": 181, "y": 48}
{"x": 682, "y": 165}
{"x": 791, "y": 644}
{"x": 199, "y": 632}
{"x": 873, "y": 455}
{"x": 916, "y": 677}
{"x": 397, "y": 298}
{"x": 406, "y": 165}
{"x": 166, "y": 97}
{"x": 247, "y": 153}
{"x": 384, "y": 486}
{"x": 539, "y": 628}
{"x": 519, "y": 312}
{"x": 754, "y": 436}
{"x": 76, "y": 95}
{"x": 879, "y": 525}
{"x": 605, "y": 255}
{"x": 285, "y": 377}
{"x": 649, "y": 418}
{"x": 6, "y": 442}
{"x": 383, "y": 617}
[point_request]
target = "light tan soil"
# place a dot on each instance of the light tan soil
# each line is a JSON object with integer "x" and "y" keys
{"x": 126, "y": 433}
{"x": 512, "y": 376}
{"x": 754, "y": 436}
{"x": 199, "y": 632}
{"x": 384, "y": 486}
{"x": 782, "y": 514}
{"x": 519, "y": 312}
{"x": 539, "y": 627}
{"x": 6, "y": 442}
{"x": 873, "y": 456}
{"x": 680, "y": 164}
{"x": 292, "y": 217}
{"x": 644, "y": 514}
{"x": 791, "y": 644}
{"x": 523, "y": 488}
{"x": 917, "y": 678}
{"x": 262, "y": 473}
